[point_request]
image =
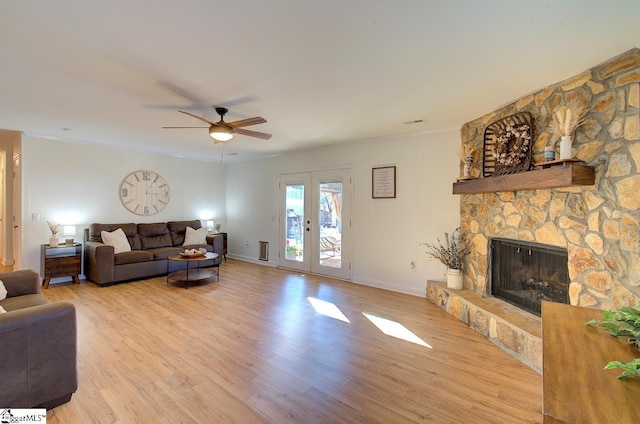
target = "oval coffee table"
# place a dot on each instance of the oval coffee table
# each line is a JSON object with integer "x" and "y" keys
{"x": 192, "y": 275}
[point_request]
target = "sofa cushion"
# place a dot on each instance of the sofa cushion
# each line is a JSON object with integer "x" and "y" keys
{"x": 164, "y": 252}
{"x": 133, "y": 257}
{"x": 154, "y": 235}
{"x": 130, "y": 230}
{"x": 21, "y": 302}
{"x": 178, "y": 228}
{"x": 117, "y": 239}
{"x": 192, "y": 236}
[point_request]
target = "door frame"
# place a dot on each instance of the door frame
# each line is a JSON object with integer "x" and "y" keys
{"x": 311, "y": 256}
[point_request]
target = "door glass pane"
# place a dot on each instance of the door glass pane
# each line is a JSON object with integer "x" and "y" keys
{"x": 330, "y": 219}
{"x": 294, "y": 218}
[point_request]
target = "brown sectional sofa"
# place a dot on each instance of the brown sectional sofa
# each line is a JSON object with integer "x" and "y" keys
{"x": 151, "y": 245}
{"x": 38, "y": 345}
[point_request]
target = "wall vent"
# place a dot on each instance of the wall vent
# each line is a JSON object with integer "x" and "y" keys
{"x": 264, "y": 251}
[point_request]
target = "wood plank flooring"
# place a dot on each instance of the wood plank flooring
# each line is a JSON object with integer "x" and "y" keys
{"x": 252, "y": 349}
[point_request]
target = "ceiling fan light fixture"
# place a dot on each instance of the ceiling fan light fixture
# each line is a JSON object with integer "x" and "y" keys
{"x": 221, "y": 133}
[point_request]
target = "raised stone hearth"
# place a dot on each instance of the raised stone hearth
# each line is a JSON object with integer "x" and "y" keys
{"x": 515, "y": 331}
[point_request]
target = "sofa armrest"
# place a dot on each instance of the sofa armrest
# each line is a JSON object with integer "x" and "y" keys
{"x": 99, "y": 262}
{"x": 217, "y": 241}
{"x": 39, "y": 354}
{"x": 18, "y": 283}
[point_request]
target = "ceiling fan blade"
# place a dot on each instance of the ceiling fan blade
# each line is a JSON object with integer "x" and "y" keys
{"x": 172, "y": 128}
{"x": 246, "y": 122}
{"x": 250, "y": 133}
{"x": 198, "y": 117}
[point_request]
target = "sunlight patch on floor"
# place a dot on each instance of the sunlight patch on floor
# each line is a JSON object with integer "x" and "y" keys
{"x": 395, "y": 329}
{"x": 328, "y": 309}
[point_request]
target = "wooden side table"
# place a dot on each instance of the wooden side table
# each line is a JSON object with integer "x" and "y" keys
{"x": 575, "y": 387}
{"x": 60, "y": 261}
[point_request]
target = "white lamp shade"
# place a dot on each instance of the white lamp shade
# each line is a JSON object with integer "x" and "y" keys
{"x": 221, "y": 132}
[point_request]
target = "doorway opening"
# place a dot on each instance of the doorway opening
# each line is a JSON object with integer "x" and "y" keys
{"x": 316, "y": 222}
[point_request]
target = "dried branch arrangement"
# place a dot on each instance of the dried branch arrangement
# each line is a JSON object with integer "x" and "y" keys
{"x": 466, "y": 151}
{"x": 568, "y": 118}
{"x": 54, "y": 228}
{"x": 450, "y": 253}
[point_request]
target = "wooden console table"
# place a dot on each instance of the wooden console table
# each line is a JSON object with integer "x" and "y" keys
{"x": 575, "y": 388}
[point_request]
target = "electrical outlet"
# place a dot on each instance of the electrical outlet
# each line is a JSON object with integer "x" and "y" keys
{"x": 35, "y": 216}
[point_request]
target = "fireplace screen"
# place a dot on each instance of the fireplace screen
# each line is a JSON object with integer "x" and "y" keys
{"x": 524, "y": 274}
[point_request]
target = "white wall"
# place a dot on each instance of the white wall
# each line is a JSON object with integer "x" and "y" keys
{"x": 78, "y": 183}
{"x": 72, "y": 183}
{"x": 386, "y": 231}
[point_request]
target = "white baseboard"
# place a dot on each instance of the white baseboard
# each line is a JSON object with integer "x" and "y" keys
{"x": 252, "y": 260}
{"x": 386, "y": 285}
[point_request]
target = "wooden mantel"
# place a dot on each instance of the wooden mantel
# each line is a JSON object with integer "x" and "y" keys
{"x": 553, "y": 177}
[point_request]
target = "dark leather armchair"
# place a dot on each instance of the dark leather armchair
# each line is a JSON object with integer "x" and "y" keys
{"x": 38, "y": 345}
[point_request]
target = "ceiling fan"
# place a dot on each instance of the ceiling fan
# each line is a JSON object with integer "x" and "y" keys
{"x": 223, "y": 131}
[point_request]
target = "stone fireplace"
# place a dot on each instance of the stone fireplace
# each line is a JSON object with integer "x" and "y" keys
{"x": 598, "y": 225}
{"x": 525, "y": 274}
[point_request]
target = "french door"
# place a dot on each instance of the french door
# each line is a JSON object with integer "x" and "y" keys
{"x": 315, "y": 222}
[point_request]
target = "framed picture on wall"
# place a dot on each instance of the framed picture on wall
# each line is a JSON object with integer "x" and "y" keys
{"x": 383, "y": 182}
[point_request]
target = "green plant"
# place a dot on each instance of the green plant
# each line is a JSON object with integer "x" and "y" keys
{"x": 293, "y": 250}
{"x": 623, "y": 323}
{"x": 451, "y": 253}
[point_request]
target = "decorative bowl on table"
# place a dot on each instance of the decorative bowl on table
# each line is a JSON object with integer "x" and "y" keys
{"x": 190, "y": 253}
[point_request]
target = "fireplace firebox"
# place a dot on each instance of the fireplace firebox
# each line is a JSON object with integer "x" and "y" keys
{"x": 524, "y": 274}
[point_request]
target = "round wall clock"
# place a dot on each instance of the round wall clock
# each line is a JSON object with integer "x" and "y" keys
{"x": 144, "y": 192}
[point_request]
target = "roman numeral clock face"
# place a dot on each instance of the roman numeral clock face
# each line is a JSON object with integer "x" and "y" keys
{"x": 144, "y": 193}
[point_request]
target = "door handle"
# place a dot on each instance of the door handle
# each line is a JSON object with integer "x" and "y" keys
{"x": 15, "y": 226}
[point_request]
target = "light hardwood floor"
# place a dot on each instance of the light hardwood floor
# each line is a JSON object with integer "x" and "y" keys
{"x": 252, "y": 349}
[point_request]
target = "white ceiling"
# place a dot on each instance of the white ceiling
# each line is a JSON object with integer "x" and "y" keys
{"x": 114, "y": 72}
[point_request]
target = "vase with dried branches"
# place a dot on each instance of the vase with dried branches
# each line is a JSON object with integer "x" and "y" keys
{"x": 564, "y": 123}
{"x": 55, "y": 229}
{"x": 451, "y": 253}
{"x": 467, "y": 156}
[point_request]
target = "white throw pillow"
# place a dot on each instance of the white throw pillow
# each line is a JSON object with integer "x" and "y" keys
{"x": 192, "y": 236}
{"x": 2, "y": 311}
{"x": 117, "y": 239}
{"x": 3, "y": 291}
